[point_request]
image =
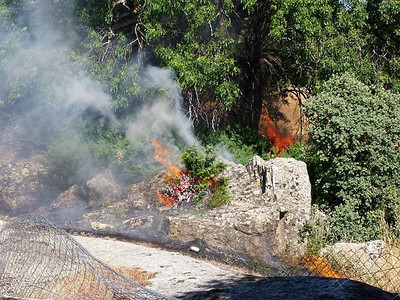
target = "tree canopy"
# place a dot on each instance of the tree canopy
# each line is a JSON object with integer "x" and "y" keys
{"x": 226, "y": 55}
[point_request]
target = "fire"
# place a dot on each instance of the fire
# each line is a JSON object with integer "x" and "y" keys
{"x": 164, "y": 156}
{"x": 178, "y": 190}
{"x": 165, "y": 200}
{"x": 281, "y": 144}
{"x": 180, "y": 186}
{"x": 319, "y": 266}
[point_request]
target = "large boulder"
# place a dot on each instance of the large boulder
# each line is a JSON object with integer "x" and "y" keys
{"x": 270, "y": 202}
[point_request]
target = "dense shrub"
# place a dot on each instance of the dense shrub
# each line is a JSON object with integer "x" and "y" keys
{"x": 96, "y": 146}
{"x": 354, "y": 146}
{"x": 202, "y": 165}
{"x": 239, "y": 140}
{"x": 110, "y": 149}
{"x": 298, "y": 150}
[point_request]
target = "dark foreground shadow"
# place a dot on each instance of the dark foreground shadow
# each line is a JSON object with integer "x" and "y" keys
{"x": 297, "y": 288}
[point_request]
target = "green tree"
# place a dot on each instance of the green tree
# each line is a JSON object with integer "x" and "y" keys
{"x": 319, "y": 38}
{"x": 354, "y": 140}
{"x": 383, "y": 21}
{"x": 298, "y": 44}
{"x": 193, "y": 38}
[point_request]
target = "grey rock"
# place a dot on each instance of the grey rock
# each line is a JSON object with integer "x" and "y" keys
{"x": 98, "y": 193}
{"x": 102, "y": 190}
{"x": 270, "y": 201}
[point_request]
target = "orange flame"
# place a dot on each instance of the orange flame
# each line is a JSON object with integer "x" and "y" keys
{"x": 164, "y": 156}
{"x": 281, "y": 144}
{"x": 319, "y": 266}
{"x": 165, "y": 200}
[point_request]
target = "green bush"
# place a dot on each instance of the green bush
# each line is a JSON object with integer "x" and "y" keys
{"x": 314, "y": 232}
{"x": 354, "y": 156}
{"x": 202, "y": 165}
{"x": 239, "y": 140}
{"x": 206, "y": 171}
{"x": 297, "y": 150}
{"x": 94, "y": 146}
{"x": 110, "y": 149}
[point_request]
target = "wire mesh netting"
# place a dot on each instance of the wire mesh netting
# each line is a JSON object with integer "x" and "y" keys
{"x": 40, "y": 261}
{"x": 375, "y": 263}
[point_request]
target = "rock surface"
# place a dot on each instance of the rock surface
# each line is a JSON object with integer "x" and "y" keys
{"x": 176, "y": 274}
{"x": 271, "y": 200}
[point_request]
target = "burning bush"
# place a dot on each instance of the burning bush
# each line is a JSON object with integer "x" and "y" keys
{"x": 206, "y": 171}
{"x": 199, "y": 182}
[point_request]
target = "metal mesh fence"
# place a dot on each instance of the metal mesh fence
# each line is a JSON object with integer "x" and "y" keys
{"x": 40, "y": 261}
{"x": 374, "y": 263}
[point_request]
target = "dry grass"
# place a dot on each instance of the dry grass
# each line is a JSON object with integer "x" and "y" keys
{"x": 84, "y": 284}
{"x": 136, "y": 274}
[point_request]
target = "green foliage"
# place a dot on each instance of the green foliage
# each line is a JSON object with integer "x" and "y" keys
{"x": 110, "y": 149}
{"x": 238, "y": 140}
{"x": 206, "y": 171}
{"x": 314, "y": 233}
{"x": 73, "y": 158}
{"x": 113, "y": 69}
{"x": 68, "y": 161}
{"x": 192, "y": 38}
{"x": 354, "y": 145}
{"x": 202, "y": 165}
{"x": 298, "y": 150}
{"x": 319, "y": 38}
{"x": 219, "y": 197}
{"x": 10, "y": 34}
{"x": 383, "y": 21}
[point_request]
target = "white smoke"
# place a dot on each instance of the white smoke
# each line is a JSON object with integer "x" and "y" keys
{"x": 43, "y": 61}
{"x": 81, "y": 93}
{"x": 162, "y": 117}
{"x": 61, "y": 91}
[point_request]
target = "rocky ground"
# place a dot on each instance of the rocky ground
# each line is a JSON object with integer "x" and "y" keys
{"x": 270, "y": 202}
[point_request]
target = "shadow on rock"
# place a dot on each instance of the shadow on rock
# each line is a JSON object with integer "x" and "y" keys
{"x": 281, "y": 288}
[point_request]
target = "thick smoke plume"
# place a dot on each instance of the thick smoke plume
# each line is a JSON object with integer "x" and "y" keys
{"x": 47, "y": 92}
{"x": 53, "y": 90}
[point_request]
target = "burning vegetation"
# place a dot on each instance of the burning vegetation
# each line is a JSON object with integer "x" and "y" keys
{"x": 199, "y": 182}
{"x": 280, "y": 143}
{"x": 320, "y": 266}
